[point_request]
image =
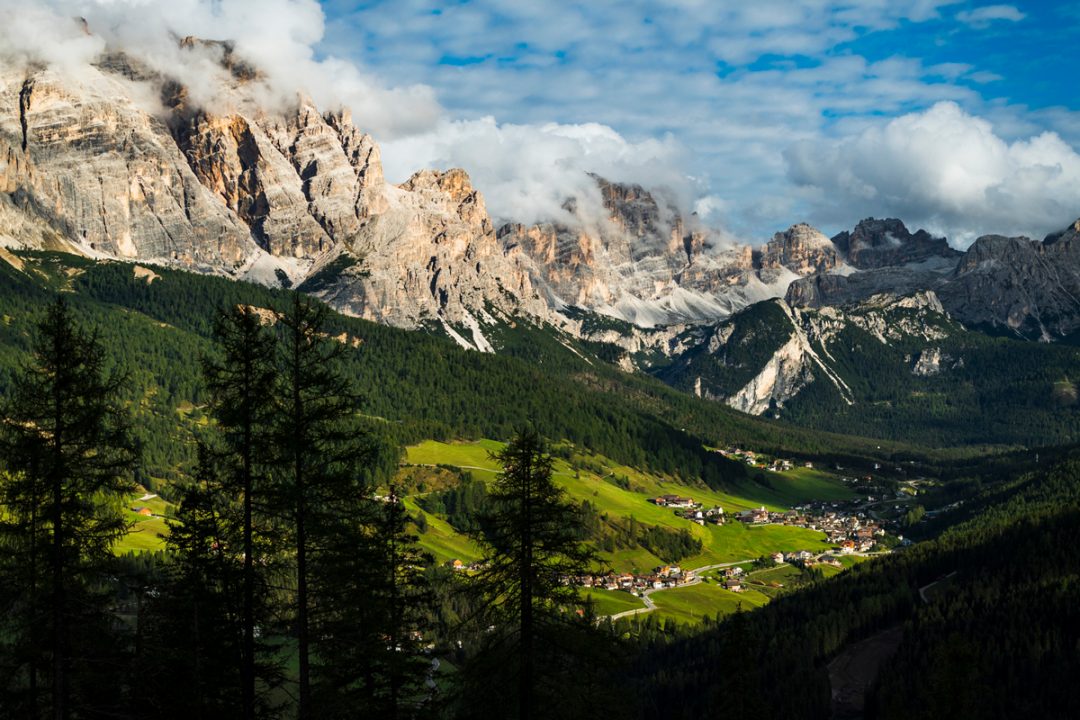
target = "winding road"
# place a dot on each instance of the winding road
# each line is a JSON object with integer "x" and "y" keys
{"x": 650, "y": 605}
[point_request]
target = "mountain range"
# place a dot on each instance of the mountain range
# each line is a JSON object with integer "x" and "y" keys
{"x": 119, "y": 162}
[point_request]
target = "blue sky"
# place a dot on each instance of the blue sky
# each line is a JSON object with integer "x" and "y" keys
{"x": 758, "y": 114}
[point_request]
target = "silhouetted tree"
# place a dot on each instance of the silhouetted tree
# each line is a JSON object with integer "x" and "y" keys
{"x": 319, "y": 451}
{"x": 241, "y": 381}
{"x": 194, "y": 635}
{"x": 67, "y": 441}
{"x": 532, "y": 553}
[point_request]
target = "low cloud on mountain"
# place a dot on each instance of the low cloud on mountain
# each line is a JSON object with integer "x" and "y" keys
{"x": 527, "y": 172}
{"x": 276, "y": 36}
{"x": 755, "y": 115}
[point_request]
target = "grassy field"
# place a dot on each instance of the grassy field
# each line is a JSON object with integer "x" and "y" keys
{"x": 611, "y": 602}
{"x": 441, "y": 540}
{"x": 596, "y": 482}
{"x": 474, "y": 454}
{"x": 692, "y": 603}
{"x": 147, "y": 533}
{"x": 798, "y": 485}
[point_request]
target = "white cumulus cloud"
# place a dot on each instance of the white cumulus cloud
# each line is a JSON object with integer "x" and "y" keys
{"x": 946, "y": 170}
{"x": 276, "y": 36}
{"x": 527, "y": 172}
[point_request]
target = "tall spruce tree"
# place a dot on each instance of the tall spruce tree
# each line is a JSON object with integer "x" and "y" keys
{"x": 194, "y": 635}
{"x": 533, "y": 550}
{"x": 319, "y": 451}
{"x": 242, "y": 385}
{"x": 404, "y": 600}
{"x": 67, "y": 442}
{"x": 372, "y": 626}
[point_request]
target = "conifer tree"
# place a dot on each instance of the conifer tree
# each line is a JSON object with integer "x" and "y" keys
{"x": 404, "y": 600}
{"x": 319, "y": 450}
{"x": 533, "y": 551}
{"x": 241, "y": 381}
{"x": 194, "y": 629}
{"x": 68, "y": 445}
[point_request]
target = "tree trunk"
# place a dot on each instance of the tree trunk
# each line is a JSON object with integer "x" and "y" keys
{"x": 525, "y": 690}
{"x": 303, "y": 637}
{"x": 248, "y": 674}
{"x": 58, "y": 639}
{"x": 32, "y": 605}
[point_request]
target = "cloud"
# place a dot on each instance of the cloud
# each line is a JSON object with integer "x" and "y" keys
{"x": 698, "y": 96}
{"x": 944, "y": 169}
{"x": 984, "y": 16}
{"x": 276, "y": 36}
{"x": 527, "y": 172}
{"x": 733, "y": 83}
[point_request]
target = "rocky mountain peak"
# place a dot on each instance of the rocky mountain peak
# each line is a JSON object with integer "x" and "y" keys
{"x": 1070, "y": 233}
{"x": 878, "y": 243}
{"x": 461, "y": 198}
{"x": 801, "y": 249}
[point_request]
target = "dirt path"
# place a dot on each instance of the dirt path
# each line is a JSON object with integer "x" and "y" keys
{"x": 853, "y": 671}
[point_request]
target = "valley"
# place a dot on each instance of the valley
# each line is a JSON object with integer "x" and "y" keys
{"x": 292, "y": 428}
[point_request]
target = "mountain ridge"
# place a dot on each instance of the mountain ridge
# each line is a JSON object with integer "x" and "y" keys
{"x": 122, "y": 162}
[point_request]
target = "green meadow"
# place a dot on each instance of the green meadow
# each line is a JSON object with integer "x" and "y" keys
{"x": 622, "y": 491}
{"x": 691, "y": 604}
{"x": 147, "y": 533}
{"x": 612, "y": 602}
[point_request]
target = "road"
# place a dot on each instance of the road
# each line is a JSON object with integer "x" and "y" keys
{"x": 650, "y": 605}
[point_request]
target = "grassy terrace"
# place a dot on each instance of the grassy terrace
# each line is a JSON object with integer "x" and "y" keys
{"x": 726, "y": 543}
{"x": 597, "y": 484}
{"x": 147, "y": 533}
{"x": 612, "y": 602}
{"x": 691, "y": 604}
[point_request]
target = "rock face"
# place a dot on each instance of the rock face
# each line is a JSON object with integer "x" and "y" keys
{"x": 430, "y": 256}
{"x": 930, "y": 362}
{"x": 789, "y": 369}
{"x": 801, "y": 249}
{"x": 104, "y": 176}
{"x": 1012, "y": 285}
{"x": 1069, "y": 234}
{"x": 117, "y": 162}
{"x": 1018, "y": 285}
{"x": 642, "y": 264}
{"x": 879, "y": 243}
{"x": 762, "y": 358}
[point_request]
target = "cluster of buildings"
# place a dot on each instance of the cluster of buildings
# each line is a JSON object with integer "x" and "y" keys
{"x": 850, "y": 531}
{"x": 753, "y": 459}
{"x": 667, "y": 576}
{"x": 693, "y": 511}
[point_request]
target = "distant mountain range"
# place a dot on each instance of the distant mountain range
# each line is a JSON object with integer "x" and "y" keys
{"x": 120, "y": 163}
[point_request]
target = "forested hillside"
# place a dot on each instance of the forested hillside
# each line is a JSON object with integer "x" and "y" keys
{"x": 983, "y": 619}
{"x": 414, "y": 385}
{"x": 890, "y": 369}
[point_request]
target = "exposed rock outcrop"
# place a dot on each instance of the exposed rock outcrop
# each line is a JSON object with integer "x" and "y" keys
{"x": 640, "y": 263}
{"x": 801, "y": 249}
{"x": 879, "y": 243}
{"x": 1018, "y": 285}
{"x": 104, "y": 175}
